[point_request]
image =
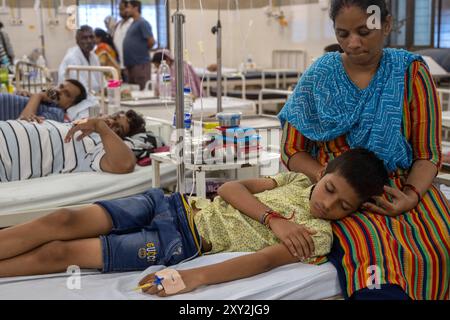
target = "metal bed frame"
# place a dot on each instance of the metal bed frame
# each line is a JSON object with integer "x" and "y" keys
{"x": 31, "y": 77}
{"x": 90, "y": 69}
{"x": 283, "y": 62}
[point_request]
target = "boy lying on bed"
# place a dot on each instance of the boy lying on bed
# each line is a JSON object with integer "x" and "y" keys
{"x": 65, "y": 103}
{"x": 283, "y": 218}
{"x": 31, "y": 150}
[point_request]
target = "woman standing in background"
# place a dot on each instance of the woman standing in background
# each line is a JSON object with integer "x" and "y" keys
{"x": 106, "y": 50}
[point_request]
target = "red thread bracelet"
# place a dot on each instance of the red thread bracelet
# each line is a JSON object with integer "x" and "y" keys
{"x": 413, "y": 189}
{"x": 274, "y": 214}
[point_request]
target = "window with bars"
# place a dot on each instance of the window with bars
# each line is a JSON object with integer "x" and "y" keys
{"x": 443, "y": 24}
{"x": 94, "y": 12}
{"x": 420, "y": 24}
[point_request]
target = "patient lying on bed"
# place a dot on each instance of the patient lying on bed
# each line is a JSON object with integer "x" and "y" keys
{"x": 284, "y": 219}
{"x": 31, "y": 150}
{"x": 67, "y": 102}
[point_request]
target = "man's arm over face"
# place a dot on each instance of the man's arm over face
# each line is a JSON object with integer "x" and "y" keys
{"x": 118, "y": 157}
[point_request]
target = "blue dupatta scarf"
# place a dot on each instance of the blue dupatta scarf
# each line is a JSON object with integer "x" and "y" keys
{"x": 326, "y": 104}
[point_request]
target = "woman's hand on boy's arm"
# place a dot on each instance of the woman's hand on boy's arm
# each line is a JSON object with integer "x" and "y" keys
{"x": 295, "y": 237}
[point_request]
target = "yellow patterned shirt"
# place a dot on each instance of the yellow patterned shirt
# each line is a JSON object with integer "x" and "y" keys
{"x": 229, "y": 230}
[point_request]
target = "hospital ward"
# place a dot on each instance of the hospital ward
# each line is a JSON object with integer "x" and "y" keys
{"x": 208, "y": 150}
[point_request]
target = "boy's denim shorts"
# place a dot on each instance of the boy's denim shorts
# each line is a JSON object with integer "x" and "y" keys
{"x": 148, "y": 229}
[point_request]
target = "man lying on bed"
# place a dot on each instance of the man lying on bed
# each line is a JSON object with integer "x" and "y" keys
{"x": 30, "y": 149}
{"x": 67, "y": 102}
{"x": 282, "y": 219}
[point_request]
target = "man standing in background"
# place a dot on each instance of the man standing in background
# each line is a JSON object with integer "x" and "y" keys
{"x": 120, "y": 31}
{"x": 82, "y": 55}
{"x": 136, "y": 46}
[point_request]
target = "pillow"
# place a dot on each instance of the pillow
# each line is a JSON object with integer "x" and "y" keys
{"x": 81, "y": 109}
{"x": 145, "y": 143}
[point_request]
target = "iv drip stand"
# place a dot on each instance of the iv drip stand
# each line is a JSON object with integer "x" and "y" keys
{"x": 217, "y": 29}
{"x": 178, "y": 19}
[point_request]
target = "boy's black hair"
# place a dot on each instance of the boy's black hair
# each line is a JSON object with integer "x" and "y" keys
{"x": 135, "y": 120}
{"x": 363, "y": 170}
{"x": 337, "y": 5}
{"x": 79, "y": 85}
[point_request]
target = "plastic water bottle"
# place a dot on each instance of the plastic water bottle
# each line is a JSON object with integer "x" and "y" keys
{"x": 113, "y": 96}
{"x": 188, "y": 100}
{"x": 3, "y": 88}
{"x": 165, "y": 86}
{"x": 4, "y": 77}
{"x": 41, "y": 61}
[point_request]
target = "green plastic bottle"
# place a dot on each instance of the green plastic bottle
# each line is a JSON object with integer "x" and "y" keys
{"x": 4, "y": 77}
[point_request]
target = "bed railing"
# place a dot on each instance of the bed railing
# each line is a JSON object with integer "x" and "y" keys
{"x": 261, "y": 100}
{"x": 160, "y": 127}
{"x": 31, "y": 77}
{"x": 289, "y": 59}
{"x": 106, "y": 72}
{"x": 444, "y": 97}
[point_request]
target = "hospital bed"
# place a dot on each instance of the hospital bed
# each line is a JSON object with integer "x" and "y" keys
{"x": 24, "y": 200}
{"x": 444, "y": 97}
{"x": 272, "y": 96}
{"x": 109, "y": 72}
{"x": 438, "y": 73}
{"x": 154, "y": 108}
{"x": 290, "y": 282}
{"x": 287, "y": 66}
{"x": 31, "y": 77}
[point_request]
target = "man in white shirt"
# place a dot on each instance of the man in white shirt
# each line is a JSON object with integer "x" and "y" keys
{"x": 119, "y": 33}
{"x": 31, "y": 150}
{"x": 83, "y": 55}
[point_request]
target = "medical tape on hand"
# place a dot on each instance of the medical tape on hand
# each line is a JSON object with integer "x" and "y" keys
{"x": 171, "y": 280}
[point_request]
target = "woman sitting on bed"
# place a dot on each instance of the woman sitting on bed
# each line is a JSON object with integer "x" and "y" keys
{"x": 136, "y": 232}
{"x": 385, "y": 101}
{"x": 31, "y": 150}
{"x": 65, "y": 103}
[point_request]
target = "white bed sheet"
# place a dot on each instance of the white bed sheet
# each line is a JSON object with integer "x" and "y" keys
{"x": 22, "y": 197}
{"x": 289, "y": 282}
{"x": 154, "y": 108}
